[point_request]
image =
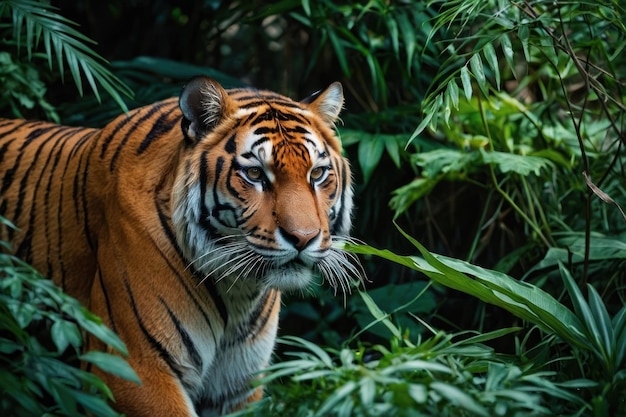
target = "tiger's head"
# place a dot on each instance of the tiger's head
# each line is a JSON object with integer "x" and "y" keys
{"x": 263, "y": 190}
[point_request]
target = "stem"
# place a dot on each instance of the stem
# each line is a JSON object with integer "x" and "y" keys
{"x": 500, "y": 191}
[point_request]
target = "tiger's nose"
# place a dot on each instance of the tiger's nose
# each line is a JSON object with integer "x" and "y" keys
{"x": 299, "y": 238}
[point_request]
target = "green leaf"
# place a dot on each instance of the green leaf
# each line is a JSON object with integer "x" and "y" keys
{"x": 393, "y": 148}
{"x": 476, "y": 64}
{"x": 523, "y": 33}
{"x": 581, "y": 307}
{"x": 520, "y": 164}
{"x": 112, "y": 364}
{"x": 371, "y": 150}
{"x": 490, "y": 55}
{"x": 312, "y": 347}
{"x": 458, "y": 397}
{"x": 507, "y": 50}
{"x": 379, "y": 315}
{"x": 524, "y": 300}
{"x": 409, "y": 37}
{"x": 93, "y": 324}
{"x": 452, "y": 91}
{"x": 95, "y": 405}
{"x": 428, "y": 114}
{"x": 339, "y": 51}
{"x": 619, "y": 328}
{"x": 604, "y": 325}
{"x": 65, "y": 333}
{"x": 67, "y": 44}
{"x": 338, "y": 395}
{"x": 466, "y": 82}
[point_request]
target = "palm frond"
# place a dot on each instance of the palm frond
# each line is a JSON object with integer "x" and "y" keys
{"x": 35, "y": 22}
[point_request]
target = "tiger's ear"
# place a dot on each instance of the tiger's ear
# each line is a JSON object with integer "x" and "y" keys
{"x": 204, "y": 103}
{"x": 327, "y": 103}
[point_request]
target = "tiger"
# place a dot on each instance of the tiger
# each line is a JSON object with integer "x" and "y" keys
{"x": 180, "y": 224}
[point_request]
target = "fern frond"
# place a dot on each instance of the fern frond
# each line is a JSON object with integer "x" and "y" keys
{"x": 35, "y": 22}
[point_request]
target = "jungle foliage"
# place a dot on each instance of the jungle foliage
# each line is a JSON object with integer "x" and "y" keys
{"x": 490, "y": 131}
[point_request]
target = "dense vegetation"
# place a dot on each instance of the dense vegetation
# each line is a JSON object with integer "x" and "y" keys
{"x": 492, "y": 132}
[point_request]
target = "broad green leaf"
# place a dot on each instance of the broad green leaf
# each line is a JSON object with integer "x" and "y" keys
{"x": 416, "y": 365}
{"x": 94, "y": 325}
{"x": 446, "y": 161}
{"x": 418, "y": 392}
{"x": 522, "y": 299}
{"x": 367, "y": 390}
{"x": 520, "y": 164}
{"x": 392, "y": 27}
{"x": 485, "y": 337}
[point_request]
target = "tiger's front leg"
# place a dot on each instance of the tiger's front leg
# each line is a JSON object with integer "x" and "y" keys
{"x": 160, "y": 393}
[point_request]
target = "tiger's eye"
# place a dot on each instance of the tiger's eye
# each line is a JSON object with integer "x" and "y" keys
{"x": 317, "y": 173}
{"x": 254, "y": 173}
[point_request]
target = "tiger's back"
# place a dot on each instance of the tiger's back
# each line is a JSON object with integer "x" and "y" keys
{"x": 55, "y": 181}
{"x": 179, "y": 224}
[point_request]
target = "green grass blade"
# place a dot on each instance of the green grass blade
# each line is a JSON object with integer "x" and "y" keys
{"x": 379, "y": 315}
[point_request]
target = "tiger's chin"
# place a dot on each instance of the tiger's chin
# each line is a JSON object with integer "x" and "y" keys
{"x": 289, "y": 277}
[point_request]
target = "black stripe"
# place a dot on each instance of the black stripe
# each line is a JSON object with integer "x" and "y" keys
{"x": 154, "y": 343}
{"x": 107, "y": 301}
{"x": 24, "y": 250}
{"x": 76, "y": 148}
{"x": 260, "y": 141}
{"x": 204, "y": 210}
{"x": 229, "y": 186}
{"x": 159, "y": 129}
{"x": 9, "y": 174}
{"x": 231, "y": 144}
{"x": 184, "y": 335}
{"x": 84, "y": 197}
{"x": 338, "y": 225}
{"x": 116, "y": 128}
{"x": 136, "y": 123}
{"x": 217, "y": 300}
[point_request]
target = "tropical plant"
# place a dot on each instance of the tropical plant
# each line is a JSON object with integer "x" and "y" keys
{"x": 541, "y": 129}
{"x": 41, "y": 340}
{"x": 34, "y": 25}
{"x": 595, "y": 340}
